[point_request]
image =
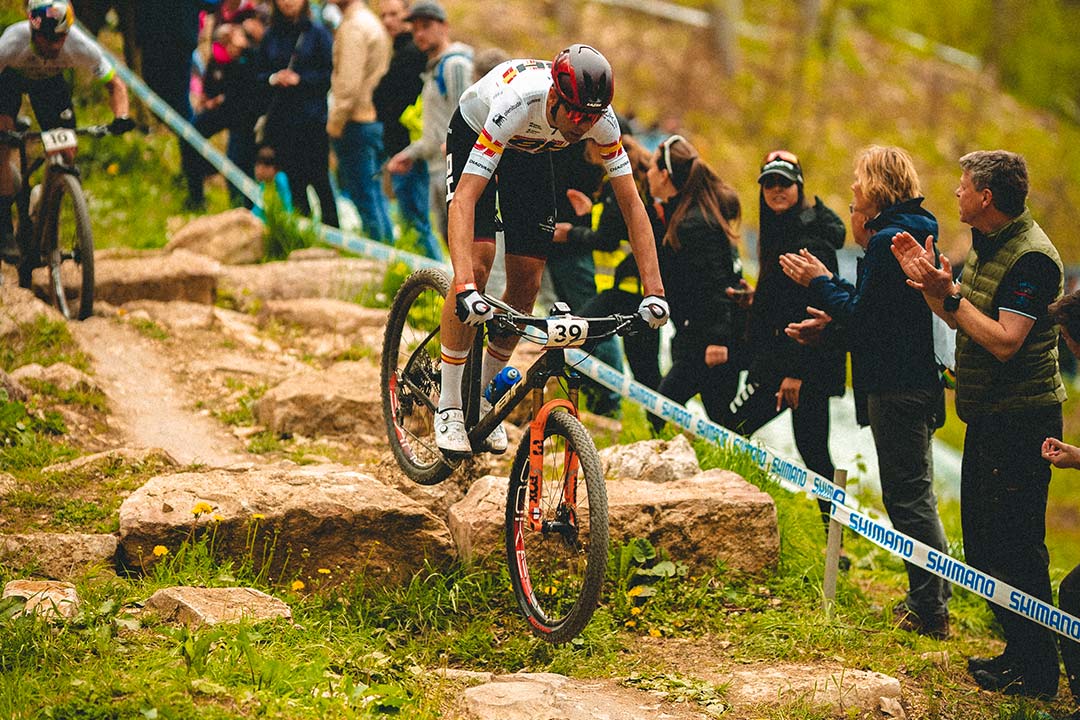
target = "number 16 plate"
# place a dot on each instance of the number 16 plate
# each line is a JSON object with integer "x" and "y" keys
{"x": 59, "y": 139}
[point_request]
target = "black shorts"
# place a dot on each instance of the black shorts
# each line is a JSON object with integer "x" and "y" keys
{"x": 50, "y": 98}
{"x": 525, "y": 185}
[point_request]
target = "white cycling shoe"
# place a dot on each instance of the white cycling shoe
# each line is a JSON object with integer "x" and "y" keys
{"x": 495, "y": 443}
{"x": 450, "y": 433}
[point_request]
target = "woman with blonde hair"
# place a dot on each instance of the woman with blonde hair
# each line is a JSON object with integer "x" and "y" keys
{"x": 699, "y": 261}
{"x": 895, "y": 375}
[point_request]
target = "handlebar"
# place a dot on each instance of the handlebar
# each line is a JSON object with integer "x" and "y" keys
{"x": 577, "y": 330}
{"x": 15, "y": 138}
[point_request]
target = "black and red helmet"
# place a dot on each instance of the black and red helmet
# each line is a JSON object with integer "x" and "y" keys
{"x": 583, "y": 79}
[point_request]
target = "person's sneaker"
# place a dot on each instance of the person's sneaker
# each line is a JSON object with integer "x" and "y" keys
{"x": 496, "y": 442}
{"x": 450, "y": 433}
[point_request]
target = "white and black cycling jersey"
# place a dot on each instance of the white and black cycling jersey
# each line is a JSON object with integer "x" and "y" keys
{"x": 507, "y": 108}
{"x": 79, "y": 51}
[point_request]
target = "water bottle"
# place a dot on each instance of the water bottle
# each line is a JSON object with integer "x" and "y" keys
{"x": 502, "y": 382}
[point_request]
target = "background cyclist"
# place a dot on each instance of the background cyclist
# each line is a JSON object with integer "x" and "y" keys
{"x": 33, "y": 55}
{"x": 505, "y": 127}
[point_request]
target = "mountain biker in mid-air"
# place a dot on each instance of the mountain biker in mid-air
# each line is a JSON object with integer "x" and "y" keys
{"x": 33, "y": 55}
{"x": 505, "y": 127}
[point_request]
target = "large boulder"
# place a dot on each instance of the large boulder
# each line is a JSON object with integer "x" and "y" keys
{"x": 477, "y": 521}
{"x": 59, "y": 556}
{"x": 650, "y": 460}
{"x": 180, "y": 275}
{"x": 316, "y": 523}
{"x": 233, "y": 237}
{"x": 343, "y": 399}
{"x": 199, "y": 606}
{"x": 713, "y": 515}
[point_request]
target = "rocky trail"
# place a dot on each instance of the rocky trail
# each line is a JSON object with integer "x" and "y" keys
{"x": 293, "y": 358}
{"x": 148, "y": 408}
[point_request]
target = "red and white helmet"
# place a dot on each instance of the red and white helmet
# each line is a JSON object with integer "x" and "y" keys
{"x": 583, "y": 79}
{"x": 50, "y": 17}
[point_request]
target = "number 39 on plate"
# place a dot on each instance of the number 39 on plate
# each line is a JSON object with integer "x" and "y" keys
{"x": 567, "y": 332}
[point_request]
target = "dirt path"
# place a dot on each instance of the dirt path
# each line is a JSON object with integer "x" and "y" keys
{"x": 147, "y": 405}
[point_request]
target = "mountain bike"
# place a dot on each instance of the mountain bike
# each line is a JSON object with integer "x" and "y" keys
{"x": 556, "y": 506}
{"x": 53, "y": 223}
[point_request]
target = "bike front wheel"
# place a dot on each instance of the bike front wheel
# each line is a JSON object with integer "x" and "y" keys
{"x": 67, "y": 246}
{"x": 411, "y": 376}
{"x": 557, "y": 561}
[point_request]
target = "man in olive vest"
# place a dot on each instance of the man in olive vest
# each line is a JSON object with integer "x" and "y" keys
{"x": 1009, "y": 392}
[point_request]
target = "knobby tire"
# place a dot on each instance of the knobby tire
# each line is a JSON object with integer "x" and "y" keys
{"x": 67, "y": 247}
{"x": 557, "y": 578}
{"x": 411, "y": 375}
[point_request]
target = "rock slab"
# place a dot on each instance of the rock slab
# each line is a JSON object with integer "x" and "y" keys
{"x": 199, "y": 606}
{"x": 712, "y": 515}
{"x": 58, "y": 555}
{"x": 318, "y": 523}
{"x": 180, "y": 275}
{"x": 651, "y": 460}
{"x": 46, "y": 598}
{"x": 233, "y": 237}
{"x": 341, "y": 400}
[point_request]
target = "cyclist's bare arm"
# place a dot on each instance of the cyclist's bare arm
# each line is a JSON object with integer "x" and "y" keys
{"x": 118, "y": 97}
{"x": 642, "y": 241}
{"x": 460, "y": 224}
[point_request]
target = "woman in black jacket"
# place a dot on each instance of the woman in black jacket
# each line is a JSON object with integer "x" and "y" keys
{"x": 294, "y": 64}
{"x": 783, "y": 373}
{"x": 699, "y": 261}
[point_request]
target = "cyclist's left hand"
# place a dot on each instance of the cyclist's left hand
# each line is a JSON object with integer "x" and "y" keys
{"x": 654, "y": 310}
{"x": 121, "y": 125}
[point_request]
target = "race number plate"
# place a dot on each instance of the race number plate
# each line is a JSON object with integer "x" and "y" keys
{"x": 567, "y": 332}
{"x": 59, "y": 139}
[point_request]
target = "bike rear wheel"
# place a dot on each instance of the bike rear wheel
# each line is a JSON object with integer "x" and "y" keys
{"x": 557, "y": 571}
{"x": 67, "y": 246}
{"x": 411, "y": 376}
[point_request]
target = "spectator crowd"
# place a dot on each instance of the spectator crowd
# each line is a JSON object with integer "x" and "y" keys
{"x": 292, "y": 82}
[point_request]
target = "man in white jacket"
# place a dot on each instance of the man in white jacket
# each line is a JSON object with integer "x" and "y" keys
{"x": 361, "y": 56}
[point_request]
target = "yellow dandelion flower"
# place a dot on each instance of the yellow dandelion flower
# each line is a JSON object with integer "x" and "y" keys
{"x": 297, "y": 585}
{"x": 258, "y": 516}
{"x": 160, "y": 551}
{"x": 630, "y": 623}
{"x": 324, "y": 571}
{"x": 113, "y": 168}
{"x": 201, "y": 508}
{"x": 635, "y": 591}
{"x": 217, "y": 518}
{"x": 653, "y": 632}
{"x": 635, "y": 611}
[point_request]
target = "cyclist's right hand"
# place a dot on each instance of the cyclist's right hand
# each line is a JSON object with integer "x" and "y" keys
{"x": 472, "y": 309}
{"x": 121, "y": 125}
